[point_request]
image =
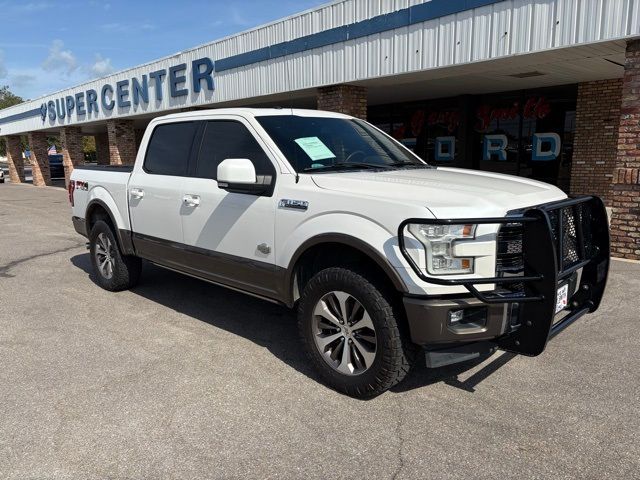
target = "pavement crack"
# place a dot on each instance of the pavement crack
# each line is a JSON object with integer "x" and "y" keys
{"x": 401, "y": 440}
{"x": 5, "y": 269}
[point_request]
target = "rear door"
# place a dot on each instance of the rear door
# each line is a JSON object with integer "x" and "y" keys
{"x": 230, "y": 236}
{"x": 156, "y": 190}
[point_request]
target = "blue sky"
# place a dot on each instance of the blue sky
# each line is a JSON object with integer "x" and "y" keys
{"x": 49, "y": 45}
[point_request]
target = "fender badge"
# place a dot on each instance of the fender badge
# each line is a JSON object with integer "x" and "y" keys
{"x": 293, "y": 204}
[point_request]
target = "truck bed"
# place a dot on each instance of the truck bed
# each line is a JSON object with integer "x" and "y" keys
{"x": 109, "y": 168}
{"x": 106, "y": 184}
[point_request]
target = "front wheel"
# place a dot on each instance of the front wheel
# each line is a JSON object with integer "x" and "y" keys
{"x": 352, "y": 335}
{"x": 113, "y": 270}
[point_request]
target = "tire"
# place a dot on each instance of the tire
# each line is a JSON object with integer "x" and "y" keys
{"x": 118, "y": 272}
{"x": 379, "y": 351}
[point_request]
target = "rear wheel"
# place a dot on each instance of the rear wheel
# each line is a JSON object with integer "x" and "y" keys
{"x": 351, "y": 332}
{"x": 113, "y": 270}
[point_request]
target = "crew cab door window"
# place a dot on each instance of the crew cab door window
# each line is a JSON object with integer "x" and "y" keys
{"x": 156, "y": 190}
{"x": 170, "y": 148}
{"x": 229, "y": 234}
{"x": 225, "y": 139}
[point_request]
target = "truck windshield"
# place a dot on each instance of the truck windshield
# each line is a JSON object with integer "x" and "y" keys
{"x": 316, "y": 144}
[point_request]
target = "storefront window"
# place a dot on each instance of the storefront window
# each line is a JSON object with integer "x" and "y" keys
{"x": 443, "y": 145}
{"x": 526, "y": 133}
{"x": 497, "y": 133}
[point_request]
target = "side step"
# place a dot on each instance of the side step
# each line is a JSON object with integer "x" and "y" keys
{"x": 440, "y": 357}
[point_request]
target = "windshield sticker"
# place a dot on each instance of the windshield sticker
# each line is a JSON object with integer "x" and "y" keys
{"x": 314, "y": 147}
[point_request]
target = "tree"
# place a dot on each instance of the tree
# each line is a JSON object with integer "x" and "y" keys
{"x": 7, "y": 99}
{"x": 89, "y": 148}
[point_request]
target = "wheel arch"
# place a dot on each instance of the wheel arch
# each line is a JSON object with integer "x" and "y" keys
{"x": 294, "y": 277}
{"x": 97, "y": 208}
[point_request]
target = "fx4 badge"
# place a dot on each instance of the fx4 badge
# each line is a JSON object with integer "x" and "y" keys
{"x": 293, "y": 204}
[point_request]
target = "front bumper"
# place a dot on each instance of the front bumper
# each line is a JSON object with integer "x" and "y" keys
{"x": 523, "y": 321}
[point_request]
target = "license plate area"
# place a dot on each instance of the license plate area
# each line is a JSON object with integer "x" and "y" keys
{"x": 562, "y": 297}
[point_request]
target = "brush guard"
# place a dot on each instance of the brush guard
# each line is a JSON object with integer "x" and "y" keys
{"x": 558, "y": 240}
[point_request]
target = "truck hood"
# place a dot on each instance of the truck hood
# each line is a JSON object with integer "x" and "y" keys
{"x": 447, "y": 192}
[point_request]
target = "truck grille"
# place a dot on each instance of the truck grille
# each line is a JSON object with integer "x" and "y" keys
{"x": 509, "y": 259}
{"x": 575, "y": 222}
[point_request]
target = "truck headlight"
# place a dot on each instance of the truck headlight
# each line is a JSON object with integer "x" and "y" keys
{"x": 438, "y": 243}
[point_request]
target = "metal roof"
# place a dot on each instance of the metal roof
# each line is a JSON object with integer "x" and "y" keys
{"x": 352, "y": 41}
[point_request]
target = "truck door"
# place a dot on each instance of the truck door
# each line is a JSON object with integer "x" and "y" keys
{"x": 230, "y": 236}
{"x": 155, "y": 192}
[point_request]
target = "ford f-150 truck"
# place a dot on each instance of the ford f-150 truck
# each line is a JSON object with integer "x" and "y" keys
{"x": 383, "y": 255}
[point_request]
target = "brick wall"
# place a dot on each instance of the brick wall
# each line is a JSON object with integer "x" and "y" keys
{"x": 14, "y": 157}
{"x": 625, "y": 191}
{"x": 39, "y": 149}
{"x": 72, "y": 152}
{"x": 122, "y": 142}
{"x": 347, "y": 99}
{"x": 596, "y": 137}
{"x": 139, "y": 133}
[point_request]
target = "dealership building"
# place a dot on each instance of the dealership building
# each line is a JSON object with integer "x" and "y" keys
{"x": 546, "y": 89}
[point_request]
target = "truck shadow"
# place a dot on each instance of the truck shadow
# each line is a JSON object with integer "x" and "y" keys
{"x": 268, "y": 325}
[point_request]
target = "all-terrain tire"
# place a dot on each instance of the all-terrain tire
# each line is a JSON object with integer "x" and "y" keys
{"x": 394, "y": 352}
{"x": 125, "y": 269}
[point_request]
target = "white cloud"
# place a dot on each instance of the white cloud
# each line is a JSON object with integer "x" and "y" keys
{"x": 60, "y": 59}
{"x": 3, "y": 68}
{"x": 32, "y": 7}
{"x": 33, "y": 82}
{"x": 118, "y": 27}
{"x": 101, "y": 67}
{"x": 22, "y": 80}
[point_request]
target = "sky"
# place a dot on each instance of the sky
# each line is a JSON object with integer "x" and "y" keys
{"x": 49, "y": 45}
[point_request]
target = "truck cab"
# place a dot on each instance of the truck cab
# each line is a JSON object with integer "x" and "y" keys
{"x": 382, "y": 255}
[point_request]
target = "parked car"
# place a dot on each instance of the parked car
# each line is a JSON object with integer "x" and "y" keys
{"x": 56, "y": 166}
{"x": 1, "y": 175}
{"x": 383, "y": 255}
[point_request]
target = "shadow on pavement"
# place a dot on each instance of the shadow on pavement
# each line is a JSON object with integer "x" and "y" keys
{"x": 270, "y": 326}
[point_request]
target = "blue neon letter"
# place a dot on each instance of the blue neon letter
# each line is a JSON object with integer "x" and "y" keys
{"x": 495, "y": 145}
{"x": 541, "y": 140}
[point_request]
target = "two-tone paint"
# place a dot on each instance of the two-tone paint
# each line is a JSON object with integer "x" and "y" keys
{"x": 251, "y": 243}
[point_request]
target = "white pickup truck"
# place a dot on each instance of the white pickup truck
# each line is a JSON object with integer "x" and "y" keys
{"x": 383, "y": 255}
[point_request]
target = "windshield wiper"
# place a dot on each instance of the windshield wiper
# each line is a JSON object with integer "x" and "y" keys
{"x": 408, "y": 164}
{"x": 346, "y": 166}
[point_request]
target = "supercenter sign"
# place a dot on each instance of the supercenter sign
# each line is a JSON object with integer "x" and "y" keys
{"x": 134, "y": 91}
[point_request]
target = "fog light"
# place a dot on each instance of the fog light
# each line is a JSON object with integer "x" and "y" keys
{"x": 456, "y": 316}
{"x": 467, "y": 320}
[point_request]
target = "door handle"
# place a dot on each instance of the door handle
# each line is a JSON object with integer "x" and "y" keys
{"x": 137, "y": 193}
{"x": 191, "y": 200}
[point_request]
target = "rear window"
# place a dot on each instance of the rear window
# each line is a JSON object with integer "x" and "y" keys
{"x": 170, "y": 148}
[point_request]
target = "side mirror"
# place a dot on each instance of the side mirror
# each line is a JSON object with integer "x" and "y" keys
{"x": 238, "y": 175}
{"x": 236, "y": 171}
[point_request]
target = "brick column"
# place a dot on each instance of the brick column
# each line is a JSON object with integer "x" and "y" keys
{"x": 596, "y": 138}
{"x": 14, "y": 157}
{"x": 139, "y": 134}
{"x": 625, "y": 191}
{"x": 39, "y": 149}
{"x": 347, "y": 99}
{"x": 102, "y": 148}
{"x": 72, "y": 153}
{"x": 122, "y": 142}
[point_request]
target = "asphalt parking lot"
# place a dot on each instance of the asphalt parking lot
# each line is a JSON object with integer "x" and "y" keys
{"x": 182, "y": 379}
